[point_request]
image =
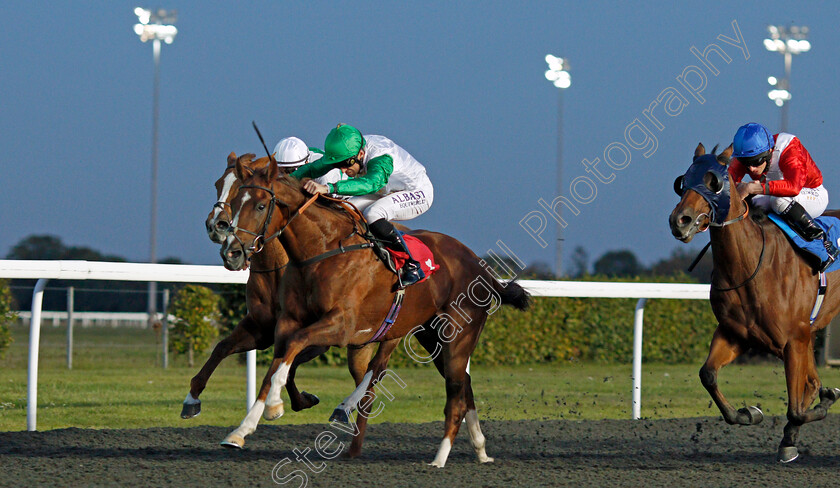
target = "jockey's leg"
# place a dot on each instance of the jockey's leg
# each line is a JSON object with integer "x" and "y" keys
{"x": 384, "y": 230}
{"x": 799, "y": 219}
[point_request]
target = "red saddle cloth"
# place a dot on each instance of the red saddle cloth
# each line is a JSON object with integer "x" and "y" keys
{"x": 421, "y": 253}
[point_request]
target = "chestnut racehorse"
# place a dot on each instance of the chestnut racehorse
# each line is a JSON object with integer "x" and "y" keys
{"x": 762, "y": 294}
{"x": 256, "y": 329}
{"x": 342, "y": 300}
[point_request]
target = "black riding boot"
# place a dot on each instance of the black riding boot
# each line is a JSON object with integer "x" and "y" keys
{"x": 804, "y": 225}
{"x": 384, "y": 230}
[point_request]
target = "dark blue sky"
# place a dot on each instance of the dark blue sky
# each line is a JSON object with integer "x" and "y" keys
{"x": 459, "y": 84}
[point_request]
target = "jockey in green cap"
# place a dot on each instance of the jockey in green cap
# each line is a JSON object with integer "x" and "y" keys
{"x": 385, "y": 183}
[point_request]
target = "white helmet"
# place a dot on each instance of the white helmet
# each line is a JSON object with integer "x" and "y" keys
{"x": 292, "y": 152}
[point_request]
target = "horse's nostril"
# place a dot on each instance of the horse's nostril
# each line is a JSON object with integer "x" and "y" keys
{"x": 685, "y": 220}
{"x": 222, "y": 226}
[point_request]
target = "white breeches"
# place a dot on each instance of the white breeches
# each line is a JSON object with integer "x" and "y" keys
{"x": 401, "y": 205}
{"x": 813, "y": 200}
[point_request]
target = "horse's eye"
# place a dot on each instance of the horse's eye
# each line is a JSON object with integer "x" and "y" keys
{"x": 261, "y": 207}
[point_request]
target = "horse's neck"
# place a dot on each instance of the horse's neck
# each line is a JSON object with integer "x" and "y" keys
{"x": 272, "y": 257}
{"x": 736, "y": 248}
{"x": 315, "y": 232}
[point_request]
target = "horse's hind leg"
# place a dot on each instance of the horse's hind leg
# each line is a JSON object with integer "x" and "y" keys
{"x": 803, "y": 385}
{"x": 476, "y": 436}
{"x": 455, "y": 370}
{"x": 362, "y": 366}
{"x": 722, "y": 352}
{"x": 378, "y": 369}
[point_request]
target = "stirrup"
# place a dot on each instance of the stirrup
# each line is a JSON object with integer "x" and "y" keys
{"x": 411, "y": 273}
{"x": 832, "y": 252}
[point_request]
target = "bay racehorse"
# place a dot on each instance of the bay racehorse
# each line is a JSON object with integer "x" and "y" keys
{"x": 256, "y": 329}
{"x": 762, "y": 294}
{"x": 342, "y": 299}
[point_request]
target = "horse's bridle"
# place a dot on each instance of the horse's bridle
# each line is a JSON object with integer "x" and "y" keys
{"x": 259, "y": 242}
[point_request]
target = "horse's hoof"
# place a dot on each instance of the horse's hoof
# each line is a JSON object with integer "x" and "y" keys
{"x": 340, "y": 415}
{"x": 753, "y": 414}
{"x": 273, "y": 412}
{"x": 829, "y": 395}
{"x": 437, "y": 464}
{"x": 311, "y": 400}
{"x": 485, "y": 459}
{"x": 233, "y": 442}
{"x": 190, "y": 410}
{"x": 787, "y": 454}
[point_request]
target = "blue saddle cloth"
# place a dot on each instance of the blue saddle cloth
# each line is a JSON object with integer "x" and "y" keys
{"x": 830, "y": 225}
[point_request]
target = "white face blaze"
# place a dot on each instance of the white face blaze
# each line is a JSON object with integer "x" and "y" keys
{"x": 225, "y": 193}
{"x": 235, "y": 221}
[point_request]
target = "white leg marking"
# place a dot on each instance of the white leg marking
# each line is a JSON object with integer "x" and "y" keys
{"x": 349, "y": 404}
{"x": 247, "y": 427}
{"x": 442, "y": 454}
{"x": 278, "y": 381}
{"x": 476, "y": 437}
{"x": 190, "y": 400}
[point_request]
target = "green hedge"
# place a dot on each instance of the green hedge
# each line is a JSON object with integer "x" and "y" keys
{"x": 583, "y": 329}
{"x": 7, "y": 317}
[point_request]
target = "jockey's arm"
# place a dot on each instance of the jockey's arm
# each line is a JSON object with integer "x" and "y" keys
{"x": 792, "y": 164}
{"x": 737, "y": 170}
{"x": 379, "y": 169}
{"x": 312, "y": 170}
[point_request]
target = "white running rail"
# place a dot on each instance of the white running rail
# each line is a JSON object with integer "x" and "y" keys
{"x": 94, "y": 270}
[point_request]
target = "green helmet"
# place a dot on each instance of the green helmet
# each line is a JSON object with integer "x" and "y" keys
{"x": 343, "y": 142}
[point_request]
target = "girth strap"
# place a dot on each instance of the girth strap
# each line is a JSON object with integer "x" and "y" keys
{"x": 391, "y": 317}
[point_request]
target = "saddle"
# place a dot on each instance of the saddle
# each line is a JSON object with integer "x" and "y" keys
{"x": 815, "y": 248}
{"x": 393, "y": 260}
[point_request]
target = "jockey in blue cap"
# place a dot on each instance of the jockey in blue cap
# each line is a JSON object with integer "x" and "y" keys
{"x": 785, "y": 180}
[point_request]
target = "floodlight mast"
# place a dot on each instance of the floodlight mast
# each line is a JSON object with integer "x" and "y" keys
{"x": 787, "y": 41}
{"x": 558, "y": 75}
{"x": 155, "y": 26}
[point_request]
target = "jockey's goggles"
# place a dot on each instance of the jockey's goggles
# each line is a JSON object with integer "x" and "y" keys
{"x": 347, "y": 162}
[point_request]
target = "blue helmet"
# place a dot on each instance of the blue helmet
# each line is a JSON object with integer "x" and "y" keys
{"x": 751, "y": 140}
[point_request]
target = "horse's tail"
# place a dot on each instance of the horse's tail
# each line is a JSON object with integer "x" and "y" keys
{"x": 513, "y": 294}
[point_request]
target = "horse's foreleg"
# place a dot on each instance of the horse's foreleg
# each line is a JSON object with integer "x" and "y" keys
{"x": 240, "y": 340}
{"x": 803, "y": 385}
{"x": 722, "y": 352}
{"x": 376, "y": 367}
{"x": 301, "y": 400}
{"x": 236, "y": 439}
{"x": 290, "y": 341}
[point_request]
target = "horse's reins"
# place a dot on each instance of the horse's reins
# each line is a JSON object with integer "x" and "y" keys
{"x": 724, "y": 224}
{"x": 713, "y": 224}
{"x": 259, "y": 242}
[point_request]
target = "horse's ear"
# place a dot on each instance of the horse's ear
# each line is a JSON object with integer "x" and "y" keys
{"x": 242, "y": 172}
{"x": 726, "y": 155}
{"x": 273, "y": 169}
{"x": 231, "y": 159}
{"x": 701, "y": 150}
